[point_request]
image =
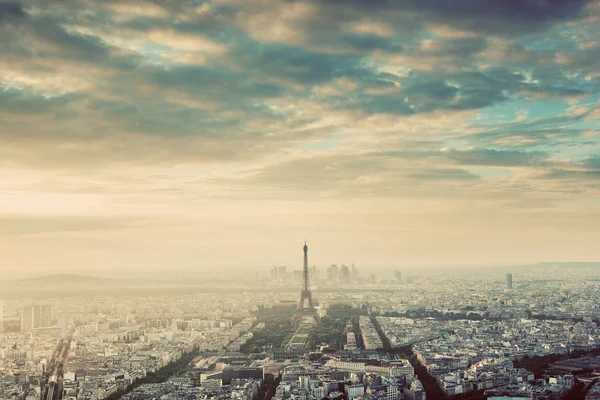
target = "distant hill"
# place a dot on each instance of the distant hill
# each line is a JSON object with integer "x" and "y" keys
{"x": 63, "y": 279}
{"x": 589, "y": 264}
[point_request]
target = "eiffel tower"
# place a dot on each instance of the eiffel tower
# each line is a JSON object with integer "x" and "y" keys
{"x": 306, "y": 311}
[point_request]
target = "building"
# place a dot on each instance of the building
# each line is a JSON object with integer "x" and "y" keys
{"x": 398, "y": 275}
{"x": 350, "y": 341}
{"x": 314, "y": 275}
{"x": 332, "y": 273}
{"x": 42, "y": 316}
{"x": 353, "y": 391}
{"x": 232, "y": 373}
{"x": 344, "y": 276}
{"x": 282, "y": 271}
{"x": 509, "y": 282}
{"x": 354, "y": 274}
{"x": 212, "y": 385}
{"x": 27, "y": 318}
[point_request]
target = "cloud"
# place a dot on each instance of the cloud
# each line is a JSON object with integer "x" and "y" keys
{"x": 493, "y": 157}
{"x": 43, "y": 224}
{"x": 20, "y": 102}
{"x": 488, "y": 16}
{"x": 574, "y": 177}
{"x": 220, "y": 113}
{"x": 226, "y": 82}
{"x": 326, "y": 25}
{"x": 448, "y": 174}
{"x": 592, "y": 162}
{"x": 11, "y": 11}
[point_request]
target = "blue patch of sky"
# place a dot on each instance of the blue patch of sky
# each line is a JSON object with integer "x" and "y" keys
{"x": 578, "y": 152}
{"x": 558, "y": 38}
{"x": 507, "y": 112}
{"x": 328, "y": 142}
{"x": 151, "y": 51}
{"x": 319, "y": 145}
{"x": 458, "y": 144}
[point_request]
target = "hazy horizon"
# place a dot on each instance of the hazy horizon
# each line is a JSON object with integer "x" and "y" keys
{"x": 198, "y": 274}
{"x": 169, "y": 135}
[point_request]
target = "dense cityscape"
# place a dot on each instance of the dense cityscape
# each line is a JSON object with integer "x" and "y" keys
{"x": 299, "y": 199}
{"x": 314, "y": 333}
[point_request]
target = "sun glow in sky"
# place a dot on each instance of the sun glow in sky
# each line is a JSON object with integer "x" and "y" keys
{"x": 219, "y": 133}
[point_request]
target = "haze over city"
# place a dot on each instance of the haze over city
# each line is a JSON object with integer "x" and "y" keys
{"x": 161, "y": 135}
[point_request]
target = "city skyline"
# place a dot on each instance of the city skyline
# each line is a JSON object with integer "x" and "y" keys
{"x": 172, "y": 135}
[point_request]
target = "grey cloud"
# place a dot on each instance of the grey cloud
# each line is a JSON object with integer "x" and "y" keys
{"x": 219, "y": 84}
{"x": 425, "y": 92}
{"x": 548, "y": 131}
{"x": 11, "y": 11}
{"x": 21, "y": 102}
{"x": 134, "y": 96}
{"x": 574, "y": 176}
{"x": 294, "y": 63}
{"x": 368, "y": 43}
{"x": 492, "y": 157}
{"x": 592, "y": 162}
{"x": 444, "y": 174}
{"x": 361, "y": 175}
{"x": 486, "y": 157}
{"x": 428, "y": 92}
{"x": 491, "y": 16}
{"x": 464, "y": 47}
{"x": 41, "y": 40}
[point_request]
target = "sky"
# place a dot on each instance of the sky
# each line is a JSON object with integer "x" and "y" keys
{"x": 173, "y": 134}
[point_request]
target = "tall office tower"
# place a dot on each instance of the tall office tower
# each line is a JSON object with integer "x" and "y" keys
{"x": 37, "y": 316}
{"x": 354, "y": 274}
{"x": 398, "y": 275}
{"x": 344, "y": 276}
{"x": 332, "y": 273}
{"x": 1, "y": 315}
{"x": 281, "y": 272}
{"x": 509, "y": 281}
{"x": 27, "y": 318}
{"x": 46, "y": 317}
{"x": 314, "y": 275}
{"x": 298, "y": 277}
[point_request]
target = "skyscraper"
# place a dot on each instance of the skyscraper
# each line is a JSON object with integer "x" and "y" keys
{"x": 37, "y": 316}
{"x": 46, "y": 317}
{"x": 354, "y": 274}
{"x": 27, "y": 318}
{"x": 398, "y": 275}
{"x": 281, "y": 273}
{"x": 344, "y": 275}
{"x": 509, "y": 284}
{"x": 332, "y": 273}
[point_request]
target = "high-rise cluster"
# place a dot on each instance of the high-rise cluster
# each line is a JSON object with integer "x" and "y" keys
{"x": 36, "y": 316}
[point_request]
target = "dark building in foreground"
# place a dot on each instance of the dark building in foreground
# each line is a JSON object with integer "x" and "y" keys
{"x": 241, "y": 373}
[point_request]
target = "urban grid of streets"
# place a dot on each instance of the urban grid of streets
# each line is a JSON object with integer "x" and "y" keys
{"x": 398, "y": 335}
